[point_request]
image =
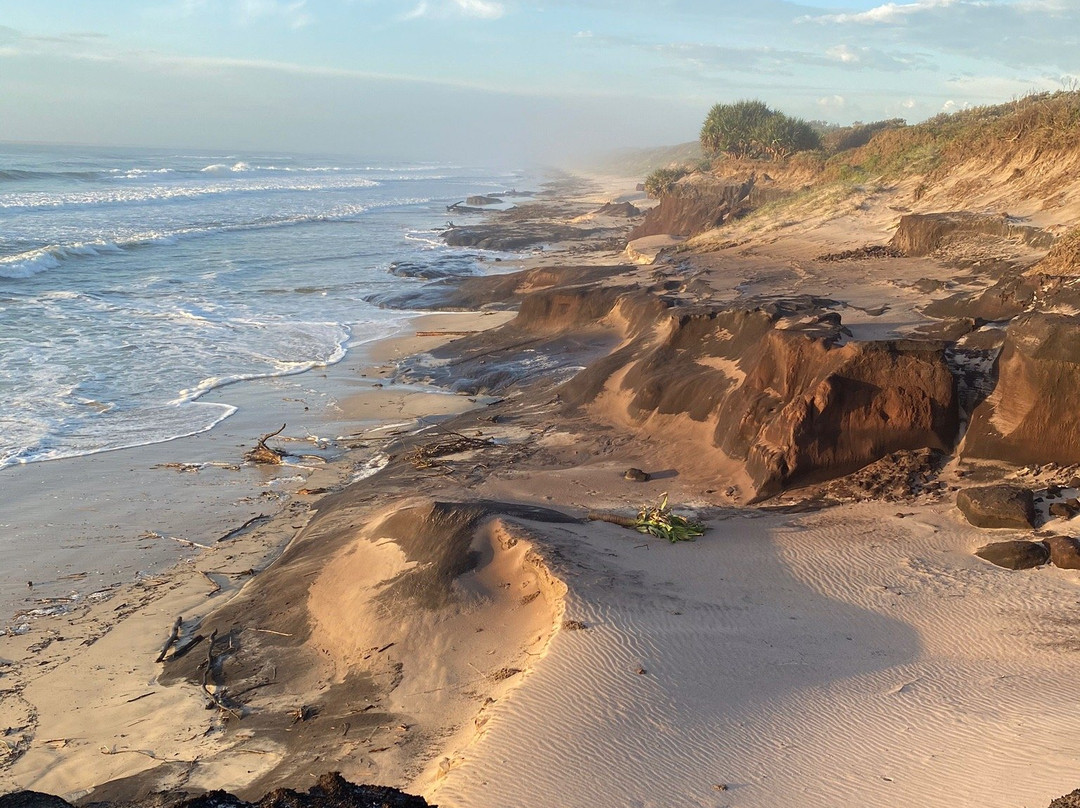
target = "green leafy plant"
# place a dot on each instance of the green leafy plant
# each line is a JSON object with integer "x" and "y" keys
{"x": 749, "y": 129}
{"x": 660, "y": 181}
{"x": 659, "y": 521}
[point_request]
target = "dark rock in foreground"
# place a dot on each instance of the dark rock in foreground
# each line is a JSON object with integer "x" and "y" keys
{"x": 1031, "y": 417}
{"x": 1015, "y": 555}
{"x": 1070, "y": 800}
{"x": 1064, "y": 552}
{"x": 331, "y": 791}
{"x": 1007, "y": 506}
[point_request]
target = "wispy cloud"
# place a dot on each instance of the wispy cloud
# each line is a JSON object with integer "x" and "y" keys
{"x": 1024, "y": 33}
{"x": 476, "y": 9}
{"x": 293, "y": 13}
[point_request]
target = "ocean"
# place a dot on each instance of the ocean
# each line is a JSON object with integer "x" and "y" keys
{"x": 133, "y": 281}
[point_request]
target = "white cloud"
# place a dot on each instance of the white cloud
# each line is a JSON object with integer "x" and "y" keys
{"x": 843, "y": 53}
{"x": 292, "y": 13}
{"x": 484, "y": 9}
{"x": 832, "y": 102}
{"x": 477, "y": 9}
{"x": 1021, "y": 33}
{"x": 890, "y": 13}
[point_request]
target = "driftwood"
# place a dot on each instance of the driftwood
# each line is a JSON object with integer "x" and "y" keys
{"x": 445, "y": 333}
{"x": 263, "y": 453}
{"x": 172, "y": 638}
{"x": 182, "y": 650}
{"x": 215, "y": 698}
{"x": 613, "y": 518}
{"x": 452, "y": 443}
{"x": 236, "y": 531}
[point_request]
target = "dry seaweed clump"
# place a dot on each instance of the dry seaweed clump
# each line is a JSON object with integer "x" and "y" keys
{"x": 1064, "y": 256}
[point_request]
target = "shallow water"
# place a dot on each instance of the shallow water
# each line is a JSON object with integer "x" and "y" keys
{"x": 133, "y": 281}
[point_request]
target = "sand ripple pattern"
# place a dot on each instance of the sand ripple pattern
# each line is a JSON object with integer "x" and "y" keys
{"x": 846, "y": 658}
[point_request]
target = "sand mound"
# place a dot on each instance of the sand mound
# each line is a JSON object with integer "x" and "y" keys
{"x": 375, "y": 638}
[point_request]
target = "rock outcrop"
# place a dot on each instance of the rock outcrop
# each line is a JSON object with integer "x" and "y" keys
{"x": 621, "y": 209}
{"x": 691, "y": 208}
{"x": 331, "y": 791}
{"x": 1064, "y": 552}
{"x": 998, "y": 506}
{"x": 1033, "y": 414}
{"x": 777, "y": 391}
{"x": 1070, "y": 800}
{"x": 1015, "y": 555}
{"x": 926, "y": 233}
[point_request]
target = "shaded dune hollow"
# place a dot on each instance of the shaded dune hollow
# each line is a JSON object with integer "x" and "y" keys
{"x": 773, "y": 387}
{"x": 392, "y": 627}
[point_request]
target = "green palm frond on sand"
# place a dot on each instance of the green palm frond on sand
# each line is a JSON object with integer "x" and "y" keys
{"x": 664, "y": 524}
{"x": 657, "y": 521}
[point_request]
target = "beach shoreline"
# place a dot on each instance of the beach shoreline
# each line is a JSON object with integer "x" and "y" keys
{"x": 455, "y": 626}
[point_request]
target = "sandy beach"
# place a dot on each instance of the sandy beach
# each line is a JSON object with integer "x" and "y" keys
{"x": 442, "y": 616}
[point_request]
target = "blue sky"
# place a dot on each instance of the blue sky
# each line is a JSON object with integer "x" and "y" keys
{"x": 475, "y": 79}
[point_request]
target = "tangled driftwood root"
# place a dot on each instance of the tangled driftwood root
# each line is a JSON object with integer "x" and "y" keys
{"x": 452, "y": 443}
{"x": 263, "y": 453}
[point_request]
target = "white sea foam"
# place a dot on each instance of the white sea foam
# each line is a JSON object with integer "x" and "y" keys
{"x": 31, "y": 262}
{"x": 131, "y": 289}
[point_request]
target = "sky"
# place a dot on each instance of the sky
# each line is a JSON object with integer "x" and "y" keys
{"x": 502, "y": 80}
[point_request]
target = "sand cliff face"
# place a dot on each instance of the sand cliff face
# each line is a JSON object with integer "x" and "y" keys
{"x": 775, "y": 389}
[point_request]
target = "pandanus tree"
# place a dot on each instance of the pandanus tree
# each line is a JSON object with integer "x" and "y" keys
{"x": 749, "y": 129}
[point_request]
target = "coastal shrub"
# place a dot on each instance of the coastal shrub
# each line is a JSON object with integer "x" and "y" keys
{"x": 1037, "y": 123}
{"x": 750, "y": 129}
{"x": 858, "y": 134}
{"x": 659, "y": 182}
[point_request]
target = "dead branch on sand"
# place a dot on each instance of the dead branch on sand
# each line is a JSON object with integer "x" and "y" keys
{"x": 172, "y": 638}
{"x": 208, "y": 669}
{"x": 613, "y": 518}
{"x": 451, "y": 443}
{"x": 236, "y": 531}
{"x": 263, "y": 453}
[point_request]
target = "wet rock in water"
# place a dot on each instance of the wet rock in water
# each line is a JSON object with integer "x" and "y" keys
{"x": 331, "y": 791}
{"x": 1008, "y": 506}
{"x": 637, "y": 475}
{"x": 1064, "y": 552}
{"x": 482, "y": 200}
{"x": 1015, "y": 555}
{"x": 1062, "y": 509}
{"x": 1053, "y": 490}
